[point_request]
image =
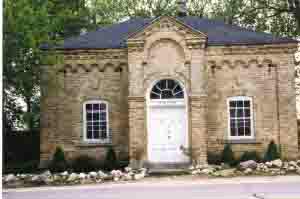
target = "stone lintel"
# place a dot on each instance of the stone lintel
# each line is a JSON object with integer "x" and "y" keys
{"x": 136, "y": 98}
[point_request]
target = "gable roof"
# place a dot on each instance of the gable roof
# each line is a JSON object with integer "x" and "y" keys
{"x": 218, "y": 33}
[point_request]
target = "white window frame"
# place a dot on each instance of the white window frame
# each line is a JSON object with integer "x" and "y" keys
{"x": 100, "y": 140}
{"x": 252, "y": 133}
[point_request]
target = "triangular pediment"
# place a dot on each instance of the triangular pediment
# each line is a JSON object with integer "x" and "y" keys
{"x": 166, "y": 24}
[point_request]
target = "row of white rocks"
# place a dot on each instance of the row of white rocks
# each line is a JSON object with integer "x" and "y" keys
{"x": 64, "y": 178}
{"x": 250, "y": 167}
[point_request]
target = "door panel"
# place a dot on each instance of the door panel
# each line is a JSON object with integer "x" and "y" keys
{"x": 166, "y": 134}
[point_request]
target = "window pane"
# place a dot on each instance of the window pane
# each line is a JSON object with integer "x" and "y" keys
{"x": 166, "y": 94}
{"x": 232, "y": 123}
{"x": 154, "y": 96}
{"x": 171, "y": 84}
{"x": 96, "y": 116}
{"x": 232, "y": 113}
{"x": 247, "y": 103}
{"x": 103, "y": 128}
{"x": 163, "y": 84}
{"x": 247, "y": 131}
{"x": 103, "y": 134}
{"x": 89, "y": 135}
{"x": 89, "y": 127}
{"x": 247, "y": 112}
{"x": 239, "y": 103}
{"x": 177, "y": 89}
{"x": 232, "y": 132}
{"x": 239, "y": 112}
{"x": 247, "y": 123}
{"x": 88, "y": 106}
{"x": 96, "y": 128}
{"x": 240, "y": 123}
{"x": 179, "y": 95}
{"x": 96, "y": 134}
{"x": 155, "y": 90}
{"x": 89, "y": 116}
{"x": 241, "y": 131}
{"x": 96, "y": 124}
{"x": 103, "y": 116}
{"x": 96, "y": 106}
{"x": 232, "y": 103}
{"x": 103, "y": 106}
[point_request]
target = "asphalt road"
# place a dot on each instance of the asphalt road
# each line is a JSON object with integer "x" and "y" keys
{"x": 235, "y": 188}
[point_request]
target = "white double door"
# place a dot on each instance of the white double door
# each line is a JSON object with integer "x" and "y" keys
{"x": 167, "y": 134}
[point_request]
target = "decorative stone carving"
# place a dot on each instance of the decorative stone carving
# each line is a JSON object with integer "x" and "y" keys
{"x": 232, "y": 64}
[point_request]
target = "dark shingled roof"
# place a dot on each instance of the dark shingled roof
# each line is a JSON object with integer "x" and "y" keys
{"x": 218, "y": 33}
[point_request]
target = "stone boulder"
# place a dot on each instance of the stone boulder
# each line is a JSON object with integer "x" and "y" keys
{"x": 10, "y": 178}
{"x": 93, "y": 174}
{"x": 248, "y": 171}
{"x": 65, "y": 173}
{"x": 225, "y": 173}
{"x": 277, "y": 163}
{"x": 82, "y": 176}
{"x": 139, "y": 176}
{"x": 248, "y": 164}
{"x": 207, "y": 171}
{"x": 101, "y": 174}
{"x": 73, "y": 177}
{"x": 37, "y": 179}
{"x": 128, "y": 169}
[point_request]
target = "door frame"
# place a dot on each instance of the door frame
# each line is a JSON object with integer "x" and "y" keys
{"x": 148, "y": 106}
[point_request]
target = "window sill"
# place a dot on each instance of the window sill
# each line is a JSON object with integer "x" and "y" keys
{"x": 242, "y": 141}
{"x": 94, "y": 144}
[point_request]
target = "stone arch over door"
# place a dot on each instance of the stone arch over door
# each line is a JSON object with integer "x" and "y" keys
{"x": 167, "y": 122}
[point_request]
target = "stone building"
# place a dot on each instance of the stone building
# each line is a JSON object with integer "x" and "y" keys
{"x": 169, "y": 90}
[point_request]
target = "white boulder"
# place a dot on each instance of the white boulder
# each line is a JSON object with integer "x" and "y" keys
{"x": 248, "y": 171}
{"x": 10, "y": 178}
{"x": 82, "y": 176}
{"x": 128, "y": 169}
{"x": 139, "y": 176}
{"x": 72, "y": 177}
{"x": 277, "y": 163}
{"x": 268, "y": 164}
{"x": 101, "y": 174}
{"x": 196, "y": 171}
{"x": 207, "y": 171}
{"x": 65, "y": 173}
{"x": 93, "y": 174}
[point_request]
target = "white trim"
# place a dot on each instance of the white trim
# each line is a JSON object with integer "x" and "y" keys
{"x": 167, "y": 102}
{"x": 252, "y": 133}
{"x": 100, "y": 140}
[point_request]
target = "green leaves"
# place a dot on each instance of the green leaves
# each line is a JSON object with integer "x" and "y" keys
{"x": 28, "y": 24}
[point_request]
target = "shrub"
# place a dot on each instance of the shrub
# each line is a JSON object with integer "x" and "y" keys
{"x": 228, "y": 156}
{"x": 85, "y": 163}
{"x": 272, "y": 152}
{"x": 111, "y": 161}
{"x": 24, "y": 167}
{"x": 58, "y": 163}
{"x": 214, "y": 158}
{"x": 250, "y": 155}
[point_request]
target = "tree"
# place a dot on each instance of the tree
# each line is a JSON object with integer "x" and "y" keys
{"x": 28, "y": 23}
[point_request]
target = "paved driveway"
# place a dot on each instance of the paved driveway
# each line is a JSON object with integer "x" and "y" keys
{"x": 234, "y": 188}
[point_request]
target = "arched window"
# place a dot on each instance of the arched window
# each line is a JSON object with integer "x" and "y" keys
{"x": 95, "y": 118}
{"x": 167, "y": 89}
{"x": 240, "y": 117}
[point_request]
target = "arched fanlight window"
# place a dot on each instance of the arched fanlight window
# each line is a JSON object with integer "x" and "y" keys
{"x": 167, "y": 89}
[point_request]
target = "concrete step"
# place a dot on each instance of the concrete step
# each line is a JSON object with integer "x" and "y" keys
{"x": 168, "y": 168}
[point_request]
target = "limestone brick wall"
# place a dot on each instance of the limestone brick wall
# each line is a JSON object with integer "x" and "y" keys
{"x": 80, "y": 79}
{"x": 264, "y": 73}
